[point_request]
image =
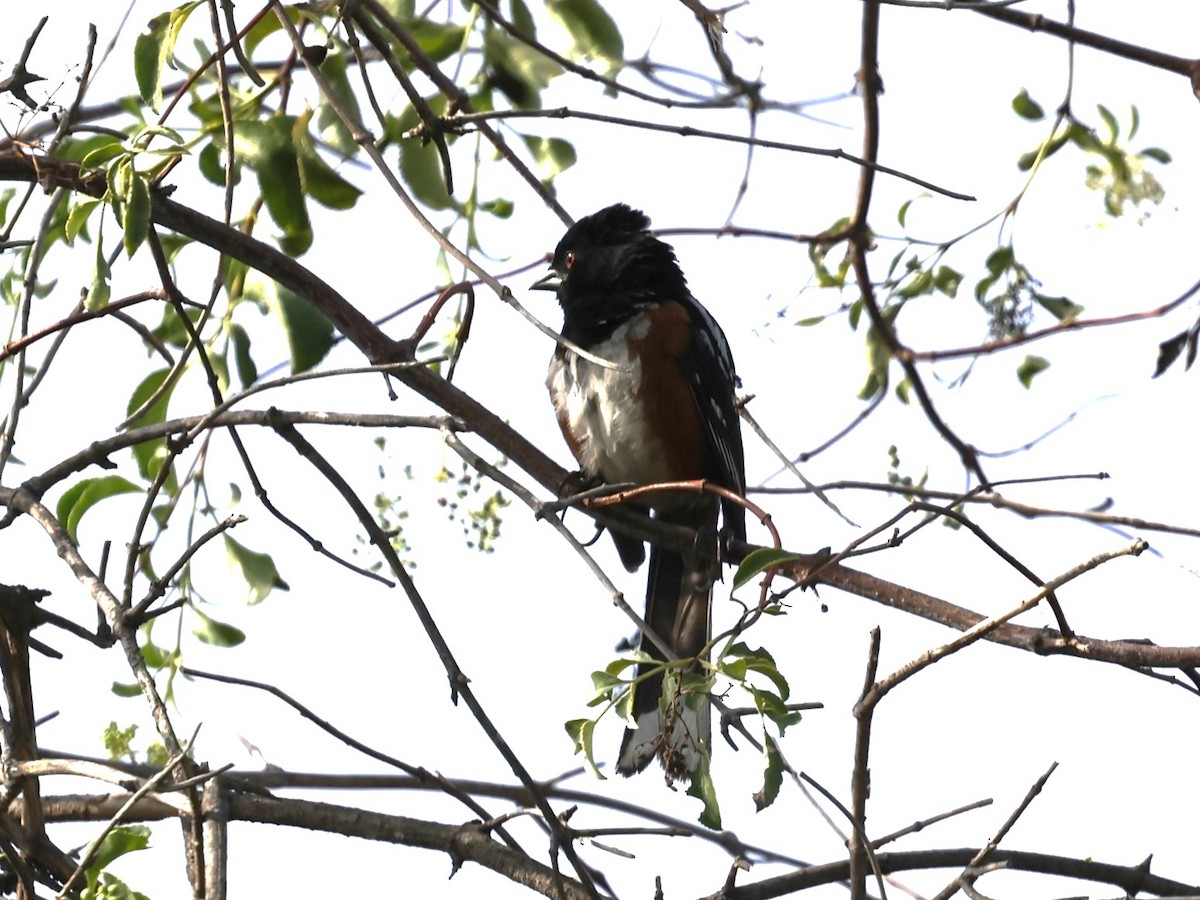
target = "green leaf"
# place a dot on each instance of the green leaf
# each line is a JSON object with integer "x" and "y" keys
{"x": 1030, "y": 367}
{"x": 1052, "y": 146}
{"x": 581, "y": 732}
{"x": 265, "y": 27}
{"x": 6, "y": 197}
{"x": 768, "y": 703}
{"x": 760, "y": 661}
{"x": 320, "y": 181}
{"x": 109, "y": 887}
{"x": 811, "y": 320}
{"x": 827, "y": 278}
{"x": 213, "y": 168}
{"x": 421, "y": 168}
{"x": 521, "y": 18}
{"x": 757, "y": 561}
{"x": 772, "y": 775}
{"x": 120, "y": 840}
{"x": 258, "y": 569}
{"x": 593, "y": 32}
{"x": 856, "y": 311}
{"x": 438, "y": 40}
{"x": 77, "y": 218}
{"x": 1000, "y": 260}
{"x": 268, "y": 148}
{"x": 1110, "y": 122}
{"x": 879, "y": 355}
{"x": 619, "y": 665}
{"x": 606, "y": 687}
{"x": 246, "y": 369}
{"x": 310, "y": 335}
{"x": 871, "y": 387}
{"x": 172, "y": 330}
{"x": 1158, "y": 154}
{"x": 136, "y": 202}
{"x": 147, "y": 60}
{"x": 172, "y": 243}
{"x": 920, "y": 283}
{"x": 156, "y": 657}
{"x": 946, "y": 281}
{"x": 553, "y": 155}
{"x": 155, "y": 48}
{"x": 217, "y": 634}
{"x": 518, "y": 70}
{"x": 102, "y": 149}
{"x": 902, "y": 213}
{"x": 1060, "y": 307}
{"x": 1027, "y": 108}
{"x": 1168, "y": 352}
{"x": 118, "y": 741}
{"x": 82, "y": 496}
{"x": 332, "y": 130}
{"x": 151, "y": 455}
{"x": 157, "y": 756}
{"x": 500, "y": 208}
{"x": 703, "y": 789}
{"x": 126, "y": 690}
{"x": 100, "y": 292}
{"x": 1083, "y": 138}
{"x": 604, "y": 681}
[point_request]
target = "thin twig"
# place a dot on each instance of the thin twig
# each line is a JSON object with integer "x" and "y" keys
{"x": 952, "y": 888}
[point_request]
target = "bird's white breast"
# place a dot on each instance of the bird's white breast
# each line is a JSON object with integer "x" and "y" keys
{"x": 601, "y": 412}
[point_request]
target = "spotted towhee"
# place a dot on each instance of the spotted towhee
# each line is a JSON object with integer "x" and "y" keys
{"x": 665, "y": 411}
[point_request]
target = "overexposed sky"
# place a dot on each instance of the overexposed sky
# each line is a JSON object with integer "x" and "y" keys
{"x": 528, "y": 624}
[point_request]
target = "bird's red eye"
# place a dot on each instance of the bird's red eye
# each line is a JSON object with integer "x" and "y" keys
{"x": 569, "y": 259}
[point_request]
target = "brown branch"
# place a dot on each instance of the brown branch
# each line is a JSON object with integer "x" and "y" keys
{"x": 21, "y": 77}
{"x": 1131, "y": 878}
{"x": 379, "y": 347}
{"x": 460, "y": 685}
{"x": 1068, "y": 325}
{"x": 87, "y": 808}
{"x": 860, "y": 780}
{"x": 999, "y": 501}
{"x": 18, "y": 616}
{"x": 1189, "y": 68}
{"x": 990, "y": 847}
{"x": 98, "y": 452}
{"x": 922, "y": 824}
{"x": 1132, "y": 653}
{"x": 463, "y": 843}
{"x": 951, "y": 512}
{"x": 158, "y": 587}
{"x": 583, "y": 72}
{"x": 419, "y": 104}
{"x": 419, "y": 773}
{"x": 41, "y": 245}
{"x": 870, "y": 85}
{"x": 21, "y": 501}
{"x": 981, "y": 629}
{"x": 457, "y": 97}
{"x": 457, "y": 121}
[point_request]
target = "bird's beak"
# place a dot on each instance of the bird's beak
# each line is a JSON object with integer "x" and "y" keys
{"x": 551, "y": 281}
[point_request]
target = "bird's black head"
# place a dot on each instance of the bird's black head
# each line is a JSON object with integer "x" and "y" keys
{"x": 606, "y": 266}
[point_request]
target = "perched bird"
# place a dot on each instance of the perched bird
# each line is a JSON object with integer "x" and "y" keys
{"x": 665, "y": 412}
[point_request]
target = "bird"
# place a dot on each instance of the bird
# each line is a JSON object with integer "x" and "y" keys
{"x": 663, "y": 409}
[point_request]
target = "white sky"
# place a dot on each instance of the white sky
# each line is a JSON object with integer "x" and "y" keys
{"x": 527, "y": 623}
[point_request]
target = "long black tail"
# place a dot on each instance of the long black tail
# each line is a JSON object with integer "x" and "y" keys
{"x": 676, "y": 729}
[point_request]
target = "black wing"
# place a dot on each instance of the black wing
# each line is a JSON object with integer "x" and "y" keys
{"x": 713, "y": 380}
